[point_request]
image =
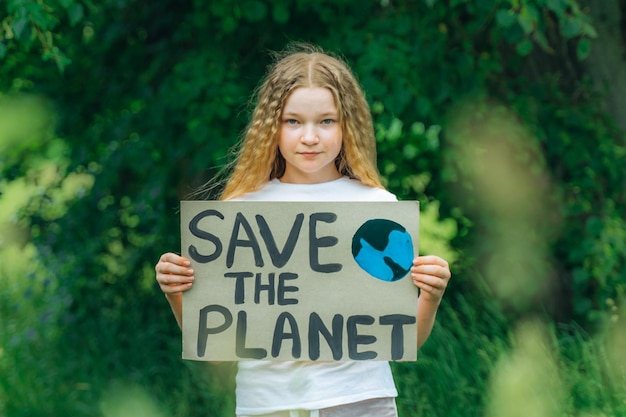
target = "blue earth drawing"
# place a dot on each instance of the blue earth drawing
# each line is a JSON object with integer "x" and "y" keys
{"x": 383, "y": 249}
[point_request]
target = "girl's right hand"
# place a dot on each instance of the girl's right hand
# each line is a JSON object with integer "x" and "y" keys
{"x": 173, "y": 273}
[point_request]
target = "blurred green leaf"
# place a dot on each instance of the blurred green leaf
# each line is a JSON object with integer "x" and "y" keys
{"x": 280, "y": 12}
{"x": 254, "y": 10}
{"x": 590, "y": 31}
{"x": 583, "y": 49}
{"x": 524, "y": 47}
{"x": 571, "y": 27}
{"x": 20, "y": 25}
{"x": 506, "y": 18}
{"x": 528, "y": 18}
{"x": 75, "y": 13}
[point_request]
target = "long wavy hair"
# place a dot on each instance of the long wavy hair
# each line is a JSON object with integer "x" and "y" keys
{"x": 258, "y": 159}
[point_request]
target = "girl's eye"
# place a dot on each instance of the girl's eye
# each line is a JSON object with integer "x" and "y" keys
{"x": 291, "y": 121}
{"x": 328, "y": 121}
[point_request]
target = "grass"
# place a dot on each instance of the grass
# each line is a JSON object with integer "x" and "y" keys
{"x": 125, "y": 361}
{"x": 534, "y": 368}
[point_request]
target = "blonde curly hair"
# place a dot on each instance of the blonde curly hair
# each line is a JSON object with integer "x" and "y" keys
{"x": 302, "y": 65}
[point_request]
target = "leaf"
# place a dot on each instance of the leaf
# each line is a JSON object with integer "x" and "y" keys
{"x": 505, "y": 18}
{"x": 395, "y": 130}
{"x": 229, "y": 24}
{"x": 378, "y": 107}
{"x": 410, "y": 151}
{"x": 528, "y": 18}
{"x": 39, "y": 16}
{"x": 557, "y": 6}
{"x": 484, "y": 5}
{"x": 541, "y": 40}
{"x": 432, "y": 137}
{"x": 524, "y": 47}
{"x": 76, "y": 13}
{"x": 418, "y": 128}
{"x": 19, "y": 25}
{"x": 423, "y": 105}
{"x": 583, "y": 49}
{"x": 280, "y": 13}
{"x": 254, "y": 11}
{"x": 590, "y": 31}
{"x": 570, "y": 27}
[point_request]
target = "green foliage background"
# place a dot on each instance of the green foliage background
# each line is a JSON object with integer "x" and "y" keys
{"x": 112, "y": 111}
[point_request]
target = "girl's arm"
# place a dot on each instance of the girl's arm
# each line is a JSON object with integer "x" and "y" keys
{"x": 174, "y": 275}
{"x": 431, "y": 275}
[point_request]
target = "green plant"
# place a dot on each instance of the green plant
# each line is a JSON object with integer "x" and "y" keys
{"x": 137, "y": 103}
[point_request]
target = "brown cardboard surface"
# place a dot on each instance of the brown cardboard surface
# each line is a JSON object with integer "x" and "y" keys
{"x": 279, "y": 281}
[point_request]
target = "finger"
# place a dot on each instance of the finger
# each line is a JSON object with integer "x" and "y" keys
{"x": 172, "y": 275}
{"x": 174, "y": 279}
{"x": 434, "y": 270}
{"x": 429, "y": 281}
{"x": 430, "y": 259}
{"x": 428, "y": 293}
{"x": 170, "y": 263}
{"x": 170, "y": 284}
{"x": 170, "y": 289}
{"x": 174, "y": 259}
{"x": 428, "y": 288}
{"x": 167, "y": 268}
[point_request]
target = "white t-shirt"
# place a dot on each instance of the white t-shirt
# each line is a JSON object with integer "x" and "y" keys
{"x": 270, "y": 386}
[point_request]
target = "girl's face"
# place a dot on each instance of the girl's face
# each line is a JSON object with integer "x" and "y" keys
{"x": 310, "y": 136}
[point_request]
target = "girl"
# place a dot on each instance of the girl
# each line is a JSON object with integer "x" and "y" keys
{"x": 311, "y": 138}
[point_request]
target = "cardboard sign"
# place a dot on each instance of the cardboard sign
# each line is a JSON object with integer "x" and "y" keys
{"x": 300, "y": 280}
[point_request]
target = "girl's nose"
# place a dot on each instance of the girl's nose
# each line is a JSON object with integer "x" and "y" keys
{"x": 309, "y": 136}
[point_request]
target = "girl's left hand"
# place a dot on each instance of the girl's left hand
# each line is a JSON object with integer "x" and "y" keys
{"x": 431, "y": 275}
